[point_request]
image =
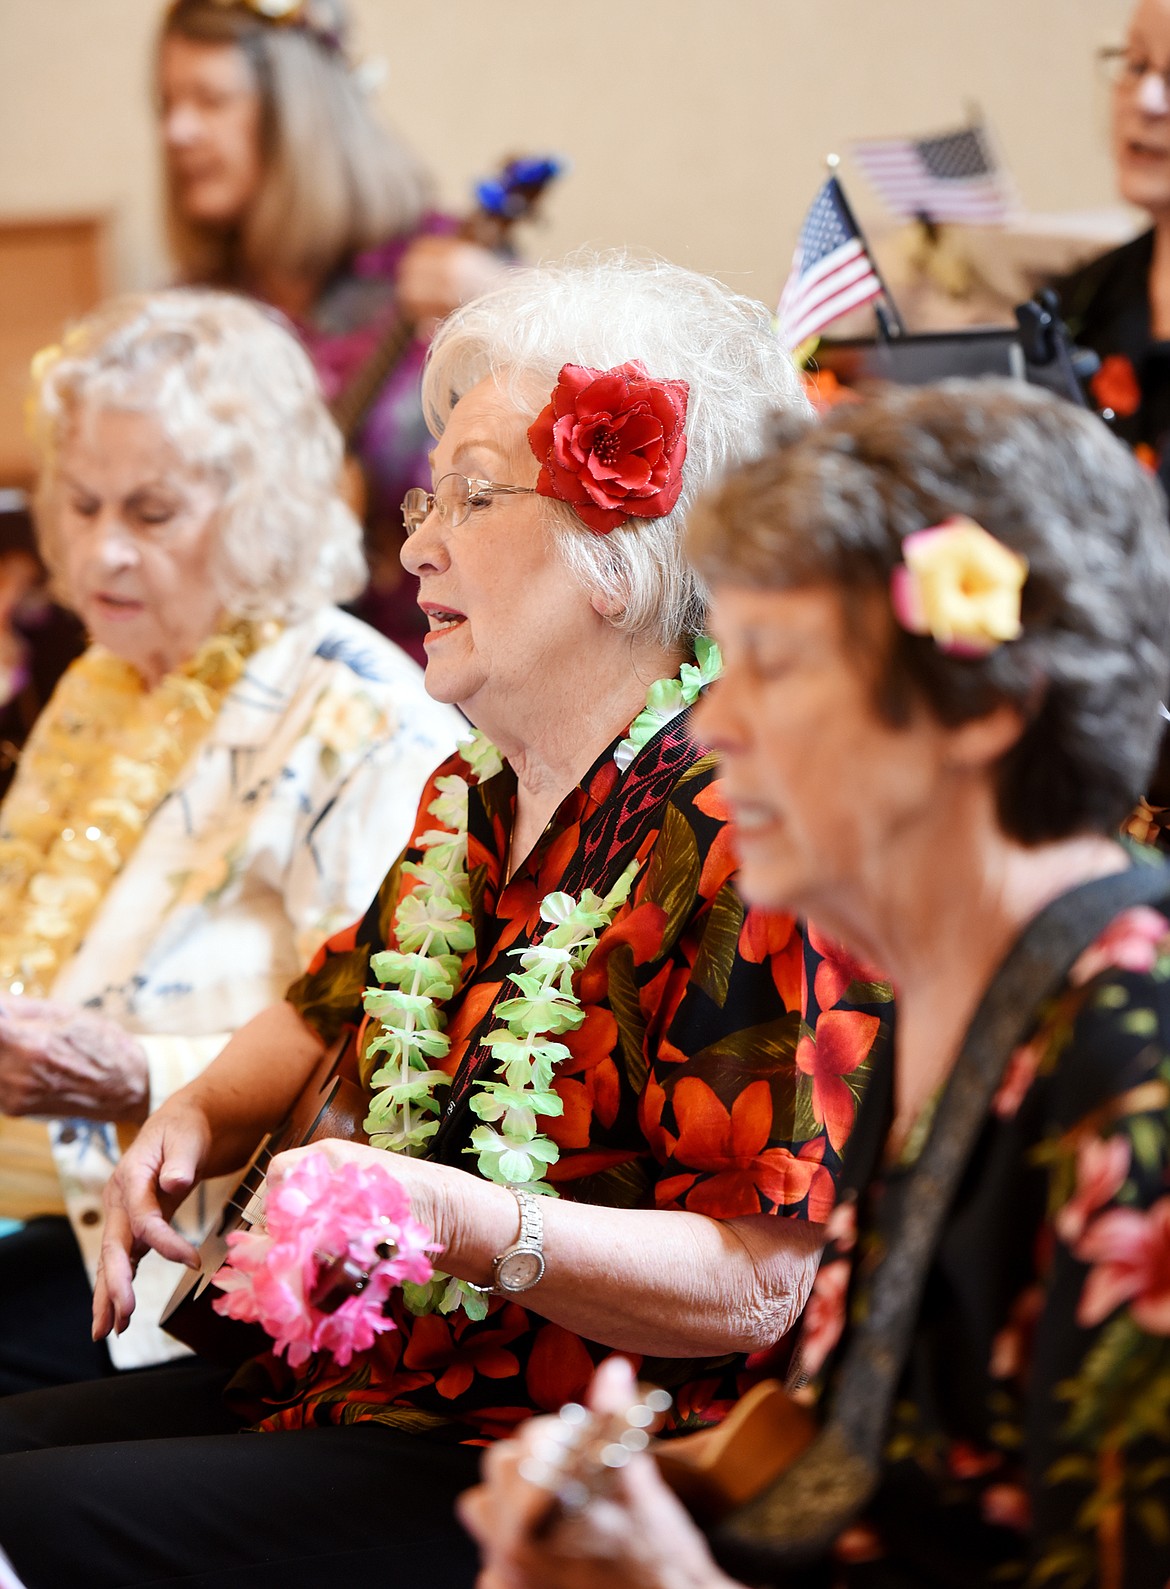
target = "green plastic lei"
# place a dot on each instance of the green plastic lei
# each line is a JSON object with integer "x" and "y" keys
{"x": 433, "y": 931}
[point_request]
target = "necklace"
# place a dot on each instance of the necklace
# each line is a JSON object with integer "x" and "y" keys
{"x": 103, "y": 755}
{"x": 433, "y": 932}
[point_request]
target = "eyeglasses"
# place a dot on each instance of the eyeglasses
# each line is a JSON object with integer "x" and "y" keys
{"x": 452, "y": 499}
{"x": 1128, "y": 70}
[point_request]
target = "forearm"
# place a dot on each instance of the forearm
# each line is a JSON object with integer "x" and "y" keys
{"x": 667, "y": 1284}
{"x": 251, "y": 1085}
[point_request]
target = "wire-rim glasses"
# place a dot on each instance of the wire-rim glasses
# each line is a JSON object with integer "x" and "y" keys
{"x": 452, "y": 499}
{"x": 1128, "y": 69}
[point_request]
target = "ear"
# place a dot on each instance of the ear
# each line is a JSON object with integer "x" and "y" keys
{"x": 982, "y": 741}
{"x": 606, "y": 608}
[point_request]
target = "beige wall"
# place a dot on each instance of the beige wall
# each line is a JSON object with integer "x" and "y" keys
{"x": 695, "y": 127}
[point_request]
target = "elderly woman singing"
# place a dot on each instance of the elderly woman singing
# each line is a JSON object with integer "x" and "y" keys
{"x": 214, "y": 787}
{"x": 597, "y": 1077}
{"x": 956, "y": 598}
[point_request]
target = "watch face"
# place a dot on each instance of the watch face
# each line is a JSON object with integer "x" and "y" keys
{"x": 519, "y": 1270}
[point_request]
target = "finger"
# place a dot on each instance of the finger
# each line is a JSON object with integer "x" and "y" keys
{"x": 113, "y": 1301}
{"x": 614, "y": 1387}
{"x": 140, "y": 1192}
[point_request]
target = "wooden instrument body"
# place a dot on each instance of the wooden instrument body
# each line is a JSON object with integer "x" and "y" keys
{"x": 330, "y": 1106}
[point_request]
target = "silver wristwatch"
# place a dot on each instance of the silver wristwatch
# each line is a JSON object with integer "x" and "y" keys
{"x": 521, "y": 1265}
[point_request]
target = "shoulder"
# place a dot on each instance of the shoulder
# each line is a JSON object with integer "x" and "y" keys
{"x": 1108, "y": 1032}
{"x": 1105, "y": 283}
{"x": 374, "y": 690}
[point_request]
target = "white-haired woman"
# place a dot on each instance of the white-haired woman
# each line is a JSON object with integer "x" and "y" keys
{"x": 281, "y": 183}
{"x": 215, "y": 786}
{"x": 660, "y": 1072}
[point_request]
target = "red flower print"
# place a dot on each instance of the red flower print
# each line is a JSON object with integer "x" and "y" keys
{"x": 559, "y": 1368}
{"x": 842, "y": 1041}
{"x": 1130, "y": 1252}
{"x": 1008, "y": 1506}
{"x": 1129, "y": 943}
{"x": 730, "y": 1149}
{"x": 837, "y": 969}
{"x": 768, "y": 935}
{"x": 612, "y": 443}
{"x": 1011, "y": 1351}
{"x": 1102, "y": 1165}
{"x": 1115, "y": 386}
{"x": 858, "y": 1543}
{"x": 824, "y": 1316}
{"x": 1017, "y": 1078}
{"x": 966, "y": 1461}
{"x": 454, "y": 1362}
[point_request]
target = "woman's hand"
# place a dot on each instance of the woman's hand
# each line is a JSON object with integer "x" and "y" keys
{"x": 153, "y": 1177}
{"x": 633, "y": 1536}
{"x": 437, "y": 274}
{"x": 56, "y": 1060}
{"x": 471, "y": 1219}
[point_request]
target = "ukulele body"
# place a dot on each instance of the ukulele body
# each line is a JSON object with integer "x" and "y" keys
{"x": 330, "y": 1106}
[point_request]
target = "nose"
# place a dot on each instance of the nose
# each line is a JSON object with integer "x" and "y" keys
{"x": 180, "y": 125}
{"x": 1153, "y": 94}
{"x": 114, "y": 546}
{"x": 425, "y": 550}
{"x": 718, "y": 719}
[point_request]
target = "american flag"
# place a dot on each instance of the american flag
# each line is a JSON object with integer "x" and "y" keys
{"x": 953, "y": 177}
{"x": 831, "y": 270}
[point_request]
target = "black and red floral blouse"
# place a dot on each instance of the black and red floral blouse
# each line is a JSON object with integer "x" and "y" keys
{"x": 718, "y": 1070}
{"x": 1030, "y": 1443}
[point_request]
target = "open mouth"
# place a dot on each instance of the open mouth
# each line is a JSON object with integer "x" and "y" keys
{"x": 442, "y": 619}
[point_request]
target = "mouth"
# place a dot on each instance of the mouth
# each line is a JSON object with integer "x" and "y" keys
{"x": 752, "y": 819}
{"x": 440, "y": 620}
{"x": 116, "y": 607}
{"x": 1143, "y": 153}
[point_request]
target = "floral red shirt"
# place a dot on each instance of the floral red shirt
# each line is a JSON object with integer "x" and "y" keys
{"x": 1030, "y": 1441}
{"x": 717, "y": 1070}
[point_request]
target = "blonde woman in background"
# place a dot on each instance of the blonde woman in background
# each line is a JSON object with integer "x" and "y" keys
{"x": 281, "y": 184}
{"x": 215, "y": 786}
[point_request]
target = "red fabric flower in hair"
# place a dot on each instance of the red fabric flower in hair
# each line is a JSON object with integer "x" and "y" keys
{"x": 611, "y": 443}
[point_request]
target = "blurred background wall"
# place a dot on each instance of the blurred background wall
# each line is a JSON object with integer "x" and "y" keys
{"x": 696, "y": 128}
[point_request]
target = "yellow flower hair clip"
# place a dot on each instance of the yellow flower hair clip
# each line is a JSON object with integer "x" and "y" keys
{"x": 959, "y": 585}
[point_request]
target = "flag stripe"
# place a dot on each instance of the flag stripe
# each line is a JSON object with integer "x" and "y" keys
{"x": 862, "y": 292}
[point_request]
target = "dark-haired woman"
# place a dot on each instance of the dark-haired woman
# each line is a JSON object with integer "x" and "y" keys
{"x": 280, "y": 183}
{"x": 943, "y": 617}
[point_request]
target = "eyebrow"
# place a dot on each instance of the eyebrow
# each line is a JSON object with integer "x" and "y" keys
{"x": 160, "y": 484}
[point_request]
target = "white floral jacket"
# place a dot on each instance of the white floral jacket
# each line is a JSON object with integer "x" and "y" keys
{"x": 279, "y": 832}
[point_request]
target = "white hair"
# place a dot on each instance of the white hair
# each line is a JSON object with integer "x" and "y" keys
{"x": 238, "y": 399}
{"x": 604, "y": 310}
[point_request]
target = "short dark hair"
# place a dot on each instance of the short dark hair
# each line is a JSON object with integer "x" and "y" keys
{"x": 830, "y": 502}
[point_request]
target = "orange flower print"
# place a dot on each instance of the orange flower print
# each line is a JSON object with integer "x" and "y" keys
{"x": 1115, "y": 386}
{"x": 838, "y": 968}
{"x": 824, "y": 1316}
{"x": 559, "y": 1368}
{"x": 729, "y": 1149}
{"x": 842, "y": 1041}
{"x": 435, "y": 1348}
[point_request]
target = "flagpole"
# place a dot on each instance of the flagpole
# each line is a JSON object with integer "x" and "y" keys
{"x": 889, "y": 319}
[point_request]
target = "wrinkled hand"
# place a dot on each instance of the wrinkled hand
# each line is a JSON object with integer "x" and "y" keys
{"x": 634, "y": 1536}
{"x": 153, "y": 1177}
{"x": 437, "y": 274}
{"x": 56, "y": 1060}
{"x": 438, "y": 1194}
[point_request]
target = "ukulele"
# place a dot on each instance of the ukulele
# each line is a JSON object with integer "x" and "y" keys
{"x": 713, "y": 1472}
{"x": 513, "y": 195}
{"x": 330, "y": 1106}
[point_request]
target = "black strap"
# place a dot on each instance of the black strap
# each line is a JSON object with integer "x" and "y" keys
{"x": 827, "y": 1486}
{"x": 609, "y": 842}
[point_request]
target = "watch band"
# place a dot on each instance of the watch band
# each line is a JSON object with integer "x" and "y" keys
{"x": 518, "y": 1267}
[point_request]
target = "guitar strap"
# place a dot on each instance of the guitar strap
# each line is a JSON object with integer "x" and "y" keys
{"x": 825, "y": 1488}
{"x": 609, "y": 842}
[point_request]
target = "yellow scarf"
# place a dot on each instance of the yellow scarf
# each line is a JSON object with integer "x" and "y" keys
{"x": 103, "y": 755}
